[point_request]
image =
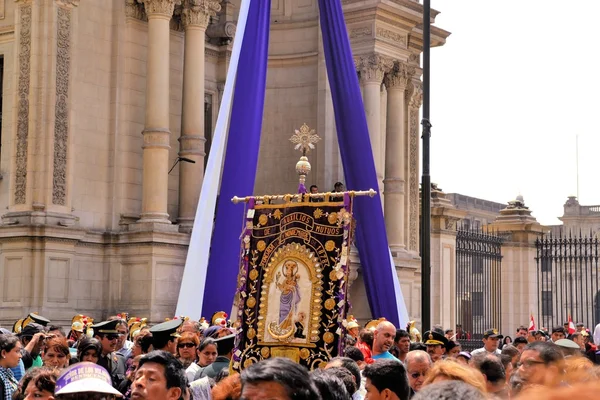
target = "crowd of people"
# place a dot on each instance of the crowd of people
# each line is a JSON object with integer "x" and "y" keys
{"x": 123, "y": 358}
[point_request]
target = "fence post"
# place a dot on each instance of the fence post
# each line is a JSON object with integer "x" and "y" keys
{"x": 519, "y": 272}
{"x": 443, "y": 259}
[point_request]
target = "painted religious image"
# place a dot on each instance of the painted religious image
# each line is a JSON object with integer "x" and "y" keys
{"x": 289, "y": 302}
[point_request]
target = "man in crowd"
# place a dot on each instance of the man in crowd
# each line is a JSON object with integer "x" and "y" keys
{"x": 491, "y": 339}
{"x": 277, "y": 378}
{"x": 350, "y": 366}
{"x": 383, "y": 340}
{"x": 106, "y": 333}
{"x": 522, "y": 332}
{"x": 436, "y": 344}
{"x": 558, "y": 332}
{"x": 164, "y": 335}
{"x": 402, "y": 342}
{"x": 494, "y": 373}
{"x": 418, "y": 363}
{"x": 541, "y": 364}
{"x": 520, "y": 343}
{"x": 160, "y": 376}
{"x": 386, "y": 379}
{"x": 449, "y": 334}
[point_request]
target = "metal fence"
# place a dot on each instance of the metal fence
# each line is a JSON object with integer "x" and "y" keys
{"x": 568, "y": 281}
{"x": 478, "y": 286}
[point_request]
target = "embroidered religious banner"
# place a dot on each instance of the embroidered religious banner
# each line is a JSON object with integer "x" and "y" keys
{"x": 293, "y": 282}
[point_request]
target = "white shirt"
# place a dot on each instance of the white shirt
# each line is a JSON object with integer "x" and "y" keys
{"x": 484, "y": 351}
{"x": 191, "y": 371}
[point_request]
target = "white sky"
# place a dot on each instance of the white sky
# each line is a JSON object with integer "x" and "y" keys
{"x": 515, "y": 83}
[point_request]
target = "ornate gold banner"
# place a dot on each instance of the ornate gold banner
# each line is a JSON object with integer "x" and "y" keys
{"x": 293, "y": 282}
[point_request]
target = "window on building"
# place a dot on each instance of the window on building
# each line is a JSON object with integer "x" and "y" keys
{"x": 466, "y": 224}
{"x": 208, "y": 124}
{"x": 547, "y": 303}
{"x": 477, "y": 303}
{"x": 476, "y": 225}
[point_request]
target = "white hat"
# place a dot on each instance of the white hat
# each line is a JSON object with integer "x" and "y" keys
{"x": 85, "y": 377}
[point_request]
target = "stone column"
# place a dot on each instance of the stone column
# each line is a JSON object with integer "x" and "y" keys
{"x": 195, "y": 17}
{"x": 372, "y": 70}
{"x": 156, "y": 131}
{"x": 395, "y": 160}
{"x": 443, "y": 258}
{"x": 519, "y": 281}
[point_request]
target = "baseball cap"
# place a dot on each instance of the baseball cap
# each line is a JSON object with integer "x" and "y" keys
{"x": 492, "y": 333}
{"x": 85, "y": 377}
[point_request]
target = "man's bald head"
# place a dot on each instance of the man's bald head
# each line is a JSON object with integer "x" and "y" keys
{"x": 383, "y": 337}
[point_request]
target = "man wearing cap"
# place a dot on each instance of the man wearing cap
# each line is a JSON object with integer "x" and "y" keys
{"x": 164, "y": 335}
{"x": 106, "y": 332}
{"x": 436, "y": 344}
{"x": 32, "y": 337}
{"x": 491, "y": 339}
{"x": 225, "y": 346}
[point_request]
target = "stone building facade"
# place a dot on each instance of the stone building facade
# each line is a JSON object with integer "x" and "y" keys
{"x": 100, "y": 98}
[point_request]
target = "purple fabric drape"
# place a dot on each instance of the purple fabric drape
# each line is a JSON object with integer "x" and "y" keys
{"x": 357, "y": 159}
{"x": 241, "y": 159}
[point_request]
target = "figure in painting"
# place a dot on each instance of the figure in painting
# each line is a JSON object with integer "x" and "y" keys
{"x": 290, "y": 294}
{"x": 300, "y": 326}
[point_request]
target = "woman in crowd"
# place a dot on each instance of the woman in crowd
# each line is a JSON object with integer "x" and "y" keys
{"x": 89, "y": 349}
{"x": 142, "y": 343}
{"x": 506, "y": 341}
{"x": 450, "y": 370}
{"x": 187, "y": 344}
{"x": 10, "y": 355}
{"x": 207, "y": 352}
{"x": 56, "y": 353}
{"x": 42, "y": 384}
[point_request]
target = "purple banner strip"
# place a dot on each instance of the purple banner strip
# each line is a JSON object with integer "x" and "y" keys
{"x": 357, "y": 159}
{"x": 241, "y": 160}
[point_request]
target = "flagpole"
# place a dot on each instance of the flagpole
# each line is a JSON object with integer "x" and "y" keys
{"x": 426, "y": 178}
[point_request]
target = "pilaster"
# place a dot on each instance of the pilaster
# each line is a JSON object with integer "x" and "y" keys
{"x": 414, "y": 101}
{"x": 519, "y": 275}
{"x": 42, "y": 178}
{"x": 444, "y": 217}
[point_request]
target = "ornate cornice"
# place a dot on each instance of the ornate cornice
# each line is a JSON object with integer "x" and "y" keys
{"x": 160, "y": 8}
{"x": 399, "y": 76}
{"x": 372, "y": 68}
{"x": 199, "y": 12}
{"x": 67, "y": 3}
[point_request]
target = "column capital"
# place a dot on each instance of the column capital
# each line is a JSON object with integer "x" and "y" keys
{"x": 399, "y": 76}
{"x": 415, "y": 95}
{"x": 160, "y": 8}
{"x": 372, "y": 68}
{"x": 198, "y": 12}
